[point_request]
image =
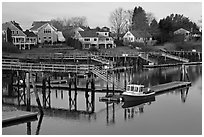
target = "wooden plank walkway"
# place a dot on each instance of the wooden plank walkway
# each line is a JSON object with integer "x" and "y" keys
{"x": 16, "y": 117}
{"x": 171, "y": 65}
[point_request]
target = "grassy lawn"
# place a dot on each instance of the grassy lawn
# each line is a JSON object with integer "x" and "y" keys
{"x": 48, "y": 50}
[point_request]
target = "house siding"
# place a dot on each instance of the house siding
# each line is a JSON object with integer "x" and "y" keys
{"x": 47, "y": 33}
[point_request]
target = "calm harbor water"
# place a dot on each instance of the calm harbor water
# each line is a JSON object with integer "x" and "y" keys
{"x": 170, "y": 113}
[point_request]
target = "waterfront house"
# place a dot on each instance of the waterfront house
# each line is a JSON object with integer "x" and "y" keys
{"x": 21, "y": 39}
{"x": 137, "y": 36}
{"x": 93, "y": 38}
{"x": 183, "y": 32}
{"x": 46, "y": 32}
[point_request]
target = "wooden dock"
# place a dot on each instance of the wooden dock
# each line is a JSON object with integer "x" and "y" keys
{"x": 11, "y": 118}
{"x": 170, "y": 86}
{"x": 171, "y": 65}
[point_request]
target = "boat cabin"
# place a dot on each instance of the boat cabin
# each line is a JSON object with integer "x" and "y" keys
{"x": 135, "y": 88}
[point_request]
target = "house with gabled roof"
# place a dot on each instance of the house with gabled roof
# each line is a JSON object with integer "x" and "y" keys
{"x": 20, "y": 39}
{"x": 94, "y": 38}
{"x": 46, "y": 33}
{"x": 183, "y": 32}
{"x": 137, "y": 36}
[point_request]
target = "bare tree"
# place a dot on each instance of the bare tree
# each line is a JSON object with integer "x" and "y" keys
{"x": 77, "y": 21}
{"x": 128, "y": 16}
{"x": 150, "y": 17}
{"x": 118, "y": 21}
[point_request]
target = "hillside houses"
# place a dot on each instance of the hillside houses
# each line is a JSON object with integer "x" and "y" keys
{"x": 21, "y": 39}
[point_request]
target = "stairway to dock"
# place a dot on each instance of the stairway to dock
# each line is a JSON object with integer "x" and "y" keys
{"x": 102, "y": 73}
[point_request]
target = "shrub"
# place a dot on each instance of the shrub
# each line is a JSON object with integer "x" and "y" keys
{"x": 9, "y": 48}
{"x": 93, "y": 49}
{"x": 118, "y": 43}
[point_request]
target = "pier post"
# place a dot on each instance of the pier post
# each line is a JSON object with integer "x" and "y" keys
{"x": 125, "y": 82}
{"x": 44, "y": 91}
{"x": 113, "y": 76}
{"x": 10, "y": 86}
{"x": 49, "y": 92}
{"x": 28, "y": 91}
{"x": 93, "y": 93}
{"x": 75, "y": 94}
{"x": 36, "y": 96}
{"x": 18, "y": 87}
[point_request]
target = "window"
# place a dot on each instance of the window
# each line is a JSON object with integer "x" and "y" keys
{"x": 86, "y": 39}
{"x": 86, "y": 46}
{"x": 105, "y": 33}
{"x": 47, "y": 31}
{"x": 95, "y": 39}
{"x": 49, "y": 37}
{"x": 16, "y": 32}
{"x": 12, "y": 32}
{"x": 132, "y": 88}
{"x": 44, "y": 37}
{"x": 107, "y": 39}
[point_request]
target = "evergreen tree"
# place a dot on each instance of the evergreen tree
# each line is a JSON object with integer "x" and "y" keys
{"x": 139, "y": 19}
{"x": 154, "y": 29}
{"x": 174, "y": 22}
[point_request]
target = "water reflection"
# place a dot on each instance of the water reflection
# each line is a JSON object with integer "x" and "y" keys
{"x": 136, "y": 107}
{"x": 39, "y": 124}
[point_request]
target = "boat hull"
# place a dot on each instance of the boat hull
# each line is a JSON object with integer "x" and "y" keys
{"x": 129, "y": 97}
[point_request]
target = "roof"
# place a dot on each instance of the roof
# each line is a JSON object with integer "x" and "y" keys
{"x": 89, "y": 33}
{"x": 38, "y": 24}
{"x": 30, "y": 34}
{"x": 12, "y": 27}
{"x": 181, "y": 31}
{"x": 135, "y": 85}
{"x": 140, "y": 34}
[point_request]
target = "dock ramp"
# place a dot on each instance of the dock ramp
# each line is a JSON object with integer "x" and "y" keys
{"x": 102, "y": 73}
{"x": 174, "y": 57}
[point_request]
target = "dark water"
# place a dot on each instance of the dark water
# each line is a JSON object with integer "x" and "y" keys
{"x": 170, "y": 113}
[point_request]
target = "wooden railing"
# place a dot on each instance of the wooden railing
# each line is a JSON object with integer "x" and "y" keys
{"x": 9, "y": 65}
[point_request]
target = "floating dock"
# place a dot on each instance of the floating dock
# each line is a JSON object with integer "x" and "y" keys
{"x": 16, "y": 117}
{"x": 171, "y": 65}
{"x": 170, "y": 86}
{"x": 156, "y": 89}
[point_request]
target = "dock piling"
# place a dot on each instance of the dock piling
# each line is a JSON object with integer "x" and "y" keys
{"x": 28, "y": 91}
{"x": 36, "y": 96}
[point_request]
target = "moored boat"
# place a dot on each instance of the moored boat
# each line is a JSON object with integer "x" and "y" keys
{"x": 137, "y": 92}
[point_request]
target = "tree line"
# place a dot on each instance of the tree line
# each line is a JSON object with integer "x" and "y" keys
{"x": 123, "y": 20}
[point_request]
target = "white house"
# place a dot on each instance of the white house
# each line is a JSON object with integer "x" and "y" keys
{"x": 137, "y": 36}
{"x": 46, "y": 32}
{"x": 93, "y": 38}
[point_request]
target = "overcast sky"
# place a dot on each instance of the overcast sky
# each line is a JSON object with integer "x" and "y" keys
{"x": 97, "y": 13}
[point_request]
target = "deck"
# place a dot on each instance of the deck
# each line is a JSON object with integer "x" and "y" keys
{"x": 16, "y": 117}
